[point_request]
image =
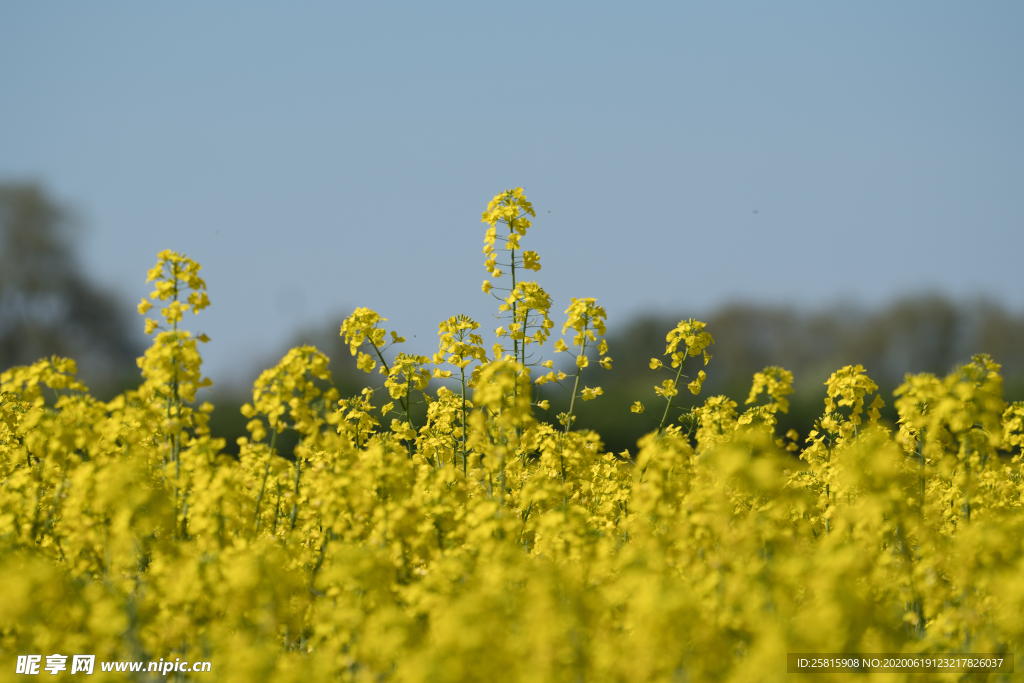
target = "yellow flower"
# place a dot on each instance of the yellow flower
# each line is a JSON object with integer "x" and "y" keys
{"x": 531, "y": 261}
{"x": 363, "y": 326}
{"x": 667, "y": 389}
{"x": 403, "y": 430}
{"x": 695, "y": 385}
{"x": 365, "y": 362}
{"x": 198, "y": 301}
{"x": 510, "y": 208}
{"x": 585, "y": 315}
{"x": 691, "y": 334}
{"x": 778, "y": 383}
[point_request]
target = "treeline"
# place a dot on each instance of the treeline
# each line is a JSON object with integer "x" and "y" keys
{"x": 927, "y": 333}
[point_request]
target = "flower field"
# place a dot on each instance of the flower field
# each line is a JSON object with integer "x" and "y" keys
{"x": 436, "y": 528}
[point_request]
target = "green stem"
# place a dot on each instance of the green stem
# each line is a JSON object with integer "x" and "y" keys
{"x": 388, "y": 370}
{"x": 575, "y": 388}
{"x": 319, "y": 561}
{"x": 920, "y": 455}
{"x": 263, "y": 486}
{"x": 529, "y": 387}
{"x": 402, "y": 402}
{"x": 515, "y": 342}
{"x": 175, "y": 401}
{"x": 295, "y": 503}
{"x": 465, "y": 427}
{"x": 568, "y": 421}
{"x": 828, "y": 497}
{"x": 408, "y": 399}
{"x": 675, "y": 385}
{"x": 277, "y": 511}
{"x": 184, "y": 517}
{"x": 966, "y": 511}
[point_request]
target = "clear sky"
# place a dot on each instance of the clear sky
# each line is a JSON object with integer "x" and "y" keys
{"x": 315, "y": 157}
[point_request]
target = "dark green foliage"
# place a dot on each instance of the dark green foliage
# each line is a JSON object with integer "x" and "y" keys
{"x": 47, "y": 306}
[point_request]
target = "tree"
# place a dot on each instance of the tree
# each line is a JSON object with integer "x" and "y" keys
{"x": 47, "y": 306}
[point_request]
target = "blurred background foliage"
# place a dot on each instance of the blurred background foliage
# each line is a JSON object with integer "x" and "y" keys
{"x": 924, "y": 333}
{"x": 48, "y": 306}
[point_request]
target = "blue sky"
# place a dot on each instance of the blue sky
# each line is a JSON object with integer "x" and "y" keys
{"x": 315, "y": 157}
